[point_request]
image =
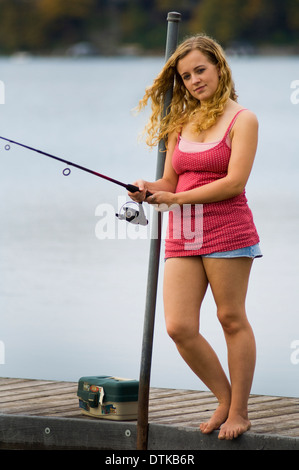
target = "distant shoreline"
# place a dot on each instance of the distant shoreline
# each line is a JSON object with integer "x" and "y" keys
{"x": 238, "y": 50}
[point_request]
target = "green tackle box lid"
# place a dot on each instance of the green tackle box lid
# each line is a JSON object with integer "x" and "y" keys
{"x": 116, "y": 389}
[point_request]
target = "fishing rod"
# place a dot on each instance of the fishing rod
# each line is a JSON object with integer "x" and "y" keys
{"x": 129, "y": 215}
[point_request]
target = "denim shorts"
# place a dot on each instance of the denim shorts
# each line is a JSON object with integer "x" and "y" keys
{"x": 253, "y": 251}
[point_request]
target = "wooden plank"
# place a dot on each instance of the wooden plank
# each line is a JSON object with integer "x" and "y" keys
{"x": 176, "y": 394}
{"x": 22, "y": 384}
{"x": 183, "y": 400}
{"x": 16, "y": 397}
{"x": 275, "y": 412}
{"x": 33, "y": 408}
{"x": 293, "y": 432}
{"x": 175, "y": 406}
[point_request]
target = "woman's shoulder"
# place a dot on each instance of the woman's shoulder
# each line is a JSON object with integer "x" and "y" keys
{"x": 245, "y": 126}
{"x": 247, "y": 118}
{"x": 244, "y": 121}
{"x": 243, "y": 114}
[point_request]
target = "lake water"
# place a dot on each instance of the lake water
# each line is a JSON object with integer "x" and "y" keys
{"x": 72, "y": 301}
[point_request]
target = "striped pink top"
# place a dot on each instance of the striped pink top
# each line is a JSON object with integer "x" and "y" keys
{"x": 207, "y": 228}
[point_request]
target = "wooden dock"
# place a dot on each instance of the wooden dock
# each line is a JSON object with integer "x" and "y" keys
{"x": 43, "y": 414}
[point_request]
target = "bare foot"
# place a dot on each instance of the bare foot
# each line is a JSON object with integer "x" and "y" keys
{"x": 234, "y": 427}
{"x": 218, "y": 418}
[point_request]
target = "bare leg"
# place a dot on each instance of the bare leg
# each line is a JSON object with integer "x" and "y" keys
{"x": 229, "y": 280}
{"x": 185, "y": 285}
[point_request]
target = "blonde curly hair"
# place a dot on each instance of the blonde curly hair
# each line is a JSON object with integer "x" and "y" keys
{"x": 183, "y": 104}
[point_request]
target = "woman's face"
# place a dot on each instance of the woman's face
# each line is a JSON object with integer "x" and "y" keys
{"x": 199, "y": 75}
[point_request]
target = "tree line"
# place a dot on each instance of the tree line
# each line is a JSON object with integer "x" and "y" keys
{"x": 49, "y": 26}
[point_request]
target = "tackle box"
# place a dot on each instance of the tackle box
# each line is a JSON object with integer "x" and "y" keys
{"x": 108, "y": 397}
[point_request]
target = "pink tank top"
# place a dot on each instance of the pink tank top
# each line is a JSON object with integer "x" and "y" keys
{"x": 207, "y": 228}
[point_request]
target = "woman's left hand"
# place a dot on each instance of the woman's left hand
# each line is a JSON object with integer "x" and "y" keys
{"x": 162, "y": 198}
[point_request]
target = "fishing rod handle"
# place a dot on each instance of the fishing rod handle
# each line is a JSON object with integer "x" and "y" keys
{"x": 133, "y": 189}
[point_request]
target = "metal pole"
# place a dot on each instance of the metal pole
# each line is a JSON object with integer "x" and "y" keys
{"x": 173, "y": 20}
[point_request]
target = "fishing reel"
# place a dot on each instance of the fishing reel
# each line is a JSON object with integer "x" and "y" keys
{"x": 132, "y": 215}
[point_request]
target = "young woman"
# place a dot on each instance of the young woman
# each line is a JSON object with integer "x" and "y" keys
{"x": 211, "y": 145}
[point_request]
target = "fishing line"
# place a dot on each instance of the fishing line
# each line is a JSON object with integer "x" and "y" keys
{"x": 139, "y": 216}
